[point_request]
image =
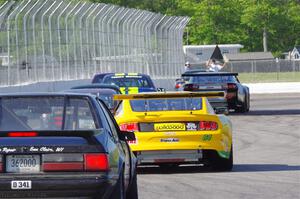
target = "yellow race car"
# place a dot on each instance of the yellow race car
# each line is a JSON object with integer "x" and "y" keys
{"x": 176, "y": 128}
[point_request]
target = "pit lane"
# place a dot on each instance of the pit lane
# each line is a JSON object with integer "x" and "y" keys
{"x": 266, "y": 158}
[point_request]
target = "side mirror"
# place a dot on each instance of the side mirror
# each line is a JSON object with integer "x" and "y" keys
{"x": 127, "y": 135}
{"x": 160, "y": 89}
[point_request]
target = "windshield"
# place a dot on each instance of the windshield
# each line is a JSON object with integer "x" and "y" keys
{"x": 168, "y": 104}
{"x": 45, "y": 113}
{"x": 213, "y": 79}
{"x": 127, "y": 81}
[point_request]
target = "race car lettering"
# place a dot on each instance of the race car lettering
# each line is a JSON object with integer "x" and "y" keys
{"x": 207, "y": 137}
{"x": 169, "y": 140}
{"x": 7, "y": 150}
{"x": 169, "y": 126}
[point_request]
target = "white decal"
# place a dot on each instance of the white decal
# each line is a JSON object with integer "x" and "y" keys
{"x": 59, "y": 149}
{"x": 191, "y": 127}
{"x": 32, "y": 149}
{"x": 8, "y": 150}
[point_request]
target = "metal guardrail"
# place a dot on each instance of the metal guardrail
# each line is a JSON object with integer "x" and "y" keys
{"x": 50, "y": 40}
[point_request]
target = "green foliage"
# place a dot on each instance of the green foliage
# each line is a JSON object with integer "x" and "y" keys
{"x": 231, "y": 21}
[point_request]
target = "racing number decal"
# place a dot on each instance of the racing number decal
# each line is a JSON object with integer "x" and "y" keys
{"x": 207, "y": 137}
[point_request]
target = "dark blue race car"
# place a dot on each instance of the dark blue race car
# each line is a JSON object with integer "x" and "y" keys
{"x": 62, "y": 145}
{"x": 129, "y": 83}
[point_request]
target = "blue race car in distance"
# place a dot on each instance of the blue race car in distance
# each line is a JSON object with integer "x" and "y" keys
{"x": 129, "y": 83}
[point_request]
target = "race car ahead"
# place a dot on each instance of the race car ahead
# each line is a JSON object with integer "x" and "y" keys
{"x": 60, "y": 145}
{"x": 236, "y": 94}
{"x": 176, "y": 128}
{"x": 129, "y": 83}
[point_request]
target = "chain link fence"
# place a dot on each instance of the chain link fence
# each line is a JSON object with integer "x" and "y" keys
{"x": 53, "y": 40}
{"x": 266, "y": 70}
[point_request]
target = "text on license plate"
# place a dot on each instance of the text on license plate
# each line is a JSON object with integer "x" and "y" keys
{"x": 169, "y": 127}
{"x": 21, "y": 184}
{"x": 23, "y": 163}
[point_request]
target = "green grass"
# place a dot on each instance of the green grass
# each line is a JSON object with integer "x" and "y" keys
{"x": 269, "y": 77}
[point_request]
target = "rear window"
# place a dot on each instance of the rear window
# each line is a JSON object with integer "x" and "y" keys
{"x": 168, "y": 104}
{"x": 107, "y": 95}
{"x": 213, "y": 79}
{"x": 46, "y": 113}
{"x": 127, "y": 81}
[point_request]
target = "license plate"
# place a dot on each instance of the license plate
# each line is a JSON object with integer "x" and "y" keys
{"x": 21, "y": 184}
{"x": 169, "y": 127}
{"x": 23, "y": 163}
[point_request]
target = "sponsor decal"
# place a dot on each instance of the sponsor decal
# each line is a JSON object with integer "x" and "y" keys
{"x": 169, "y": 140}
{"x": 133, "y": 142}
{"x": 170, "y": 133}
{"x": 31, "y": 149}
{"x": 8, "y": 150}
{"x": 191, "y": 126}
{"x": 169, "y": 127}
{"x": 207, "y": 137}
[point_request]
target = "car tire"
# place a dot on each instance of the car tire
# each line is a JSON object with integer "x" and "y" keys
{"x": 218, "y": 163}
{"x": 248, "y": 103}
{"x": 119, "y": 191}
{"x": 243, "y": 108}
{"x": 132, "y": 192}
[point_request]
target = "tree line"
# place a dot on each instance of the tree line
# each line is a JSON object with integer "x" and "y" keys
{"x": 259, "y": 25}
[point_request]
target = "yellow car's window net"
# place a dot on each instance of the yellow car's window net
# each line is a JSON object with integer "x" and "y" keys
{"x": 167, "y": 104}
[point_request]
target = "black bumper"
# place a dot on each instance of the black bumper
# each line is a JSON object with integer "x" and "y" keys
{"x": 59, "y": 186}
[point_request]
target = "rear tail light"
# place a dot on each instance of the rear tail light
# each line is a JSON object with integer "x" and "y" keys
{"x": 75, "y": 162}
{"x": 191, "y": 87}
{"x": 231, "y": 86}
{"x": 230, "y": 95}
{"x": 129, "y": 127}
{"x": 96, "y": 162}
{"x": 22, "y": 134}
{"x": 1, "y": 163}
{"x": 208, "y": 125}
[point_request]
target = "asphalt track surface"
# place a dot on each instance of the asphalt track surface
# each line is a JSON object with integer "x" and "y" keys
{"x": 266, "y": 159}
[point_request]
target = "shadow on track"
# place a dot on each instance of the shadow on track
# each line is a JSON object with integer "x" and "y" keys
{"x": 205, "y": 169}
{"x": 264, "y": 167}
{"x": 268, "y": 112}
{"x": 173, "y": 170}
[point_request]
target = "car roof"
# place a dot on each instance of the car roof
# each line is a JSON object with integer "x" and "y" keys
{"x": 99, "y": 86}
{"x": 196, "y": 71}
{"x": 128, "y": 74}
{"x": 99, "y": 91}
{"x": 210, "y": 74}
{"x": 45, "y": 94}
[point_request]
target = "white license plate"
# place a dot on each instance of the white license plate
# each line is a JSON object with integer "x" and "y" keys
{"x": 21, "y": 184}
{"x": 23, "y": 163}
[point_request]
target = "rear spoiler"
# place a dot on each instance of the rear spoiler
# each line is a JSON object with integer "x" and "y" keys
{"x": 210, "y": 74}
{"x": 161, "y": 95}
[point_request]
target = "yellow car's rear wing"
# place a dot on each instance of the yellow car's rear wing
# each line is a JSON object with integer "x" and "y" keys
{"x": 160, "y": 95}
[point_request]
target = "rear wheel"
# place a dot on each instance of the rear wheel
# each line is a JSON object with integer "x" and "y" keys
{"x": 132, "y": 192}
{"x": 119, "y": 192}
{"x": 243, "y": 108}
{"x": 221, "y": 164}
